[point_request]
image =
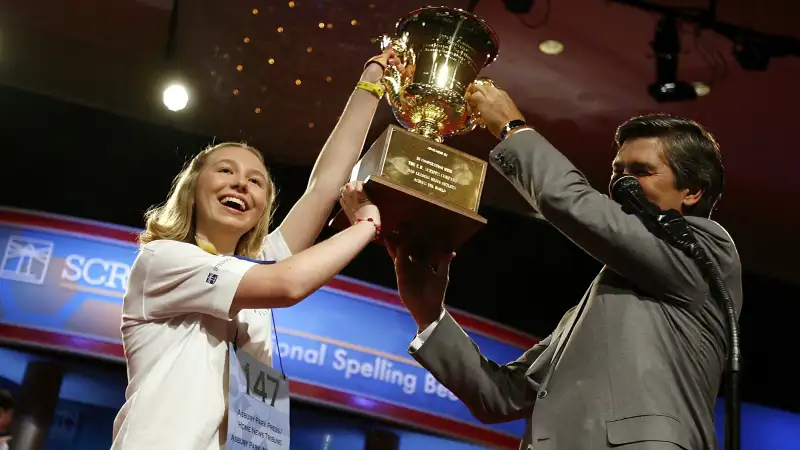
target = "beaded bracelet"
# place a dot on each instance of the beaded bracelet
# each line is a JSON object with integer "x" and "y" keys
{"x": 377, "y": 226}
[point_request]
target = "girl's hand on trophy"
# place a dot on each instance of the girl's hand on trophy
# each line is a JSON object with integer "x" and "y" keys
{"x": 357, "y": 206}
{"x": 377, "y": 65}
{"x": 393, "y": 59}
{"x": 494, "y": 105}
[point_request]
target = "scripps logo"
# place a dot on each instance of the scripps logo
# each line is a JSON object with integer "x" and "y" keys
{"x": 96, "y": 272}
{"x": 26, "y": 259}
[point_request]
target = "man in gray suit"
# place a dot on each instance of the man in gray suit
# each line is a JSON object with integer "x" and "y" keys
{"x": 638, "y": 362}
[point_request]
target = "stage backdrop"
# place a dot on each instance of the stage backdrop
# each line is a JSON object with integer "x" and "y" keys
{"x": 61, "y": 286}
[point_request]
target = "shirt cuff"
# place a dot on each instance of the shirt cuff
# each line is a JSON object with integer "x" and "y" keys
{"x": 419, "y": 341}
{"x": 520, "y": 130}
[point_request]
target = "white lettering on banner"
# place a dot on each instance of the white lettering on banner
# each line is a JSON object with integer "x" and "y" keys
{"x": 432, "y": 386}
{"x": 314, "y": 356}
{"x": 358, "y": 366}
{"x": 96, "y": 272}
{"x": 380, "y": 369}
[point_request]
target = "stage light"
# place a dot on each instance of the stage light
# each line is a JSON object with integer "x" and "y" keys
{"x": 701, "y": 89}
{"x": 519, "y": 6}
{"x": 752, "y": 55}
{"x": 551, "y": 47}
{"x": 667, "y": 48}
{"x": 176, "y": 97}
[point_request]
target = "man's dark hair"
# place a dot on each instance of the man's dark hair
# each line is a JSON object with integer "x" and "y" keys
{"x": 691, "y": 153}
{"x": 6, "y": 400}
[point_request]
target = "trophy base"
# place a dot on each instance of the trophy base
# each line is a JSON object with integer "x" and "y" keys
{"x": 427, "y": 224}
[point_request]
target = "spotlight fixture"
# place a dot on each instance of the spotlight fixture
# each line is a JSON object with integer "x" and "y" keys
{"x": 666, "y": 45}
{"x": 519, "y": 6}
{"x": 752, "y": 55}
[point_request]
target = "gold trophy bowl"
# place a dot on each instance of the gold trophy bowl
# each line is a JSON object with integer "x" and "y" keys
{"x": 427, "y": 191}
{"x": 443, "y": 50}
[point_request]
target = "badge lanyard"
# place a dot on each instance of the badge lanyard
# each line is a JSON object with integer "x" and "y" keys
{"x": 258, "y": 400}
{"x": 271, "y": 316}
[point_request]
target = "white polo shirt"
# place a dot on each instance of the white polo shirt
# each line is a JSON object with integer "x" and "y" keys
{"x": 176, "y": 325}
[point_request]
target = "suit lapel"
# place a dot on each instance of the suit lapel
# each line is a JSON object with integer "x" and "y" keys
{"x": 568, "y": 325}
{"x": 561, "y": 333}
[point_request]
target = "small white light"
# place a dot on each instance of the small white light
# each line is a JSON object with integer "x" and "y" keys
{"x": 176, "y": 97}
{"x": 701, "y": 89}
{"x": 551, "y": 47}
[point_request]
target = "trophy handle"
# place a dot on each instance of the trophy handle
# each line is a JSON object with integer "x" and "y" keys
{"x": 399, "y": 46}
{"x": 395, "y": 80}
{"x": 474, "y": 117}
{"x": 473, "y": 121}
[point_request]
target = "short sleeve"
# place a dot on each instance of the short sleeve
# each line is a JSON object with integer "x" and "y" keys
{"x": 255, "y": 325}
{"x": 181, "y": 278}
{"x": 274, "y": 247}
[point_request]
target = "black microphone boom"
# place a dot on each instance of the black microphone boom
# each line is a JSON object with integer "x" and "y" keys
{"x": 672, "y": 227}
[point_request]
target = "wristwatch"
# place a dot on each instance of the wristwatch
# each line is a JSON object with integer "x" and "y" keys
{"x": 510, "y": 126}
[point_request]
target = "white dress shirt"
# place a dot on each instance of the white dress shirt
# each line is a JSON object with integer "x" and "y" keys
{"x": 419, "y": 341}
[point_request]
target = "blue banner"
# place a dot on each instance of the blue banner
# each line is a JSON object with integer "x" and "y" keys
{"x": 361, "y": 346}
{"x": 73, "y": 284}
{"x": 63, "y": 282}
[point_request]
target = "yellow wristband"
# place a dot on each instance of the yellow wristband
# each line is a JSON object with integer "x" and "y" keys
{"x": 375, "y": 88}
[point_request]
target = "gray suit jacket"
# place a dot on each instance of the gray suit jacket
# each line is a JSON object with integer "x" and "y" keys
{"x": 642, "y": 365}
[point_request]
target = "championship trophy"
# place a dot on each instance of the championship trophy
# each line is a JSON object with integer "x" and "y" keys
{"x": 426, "y": 191}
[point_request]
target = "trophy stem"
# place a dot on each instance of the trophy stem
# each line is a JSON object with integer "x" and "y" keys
{"x": 428, "y": 128}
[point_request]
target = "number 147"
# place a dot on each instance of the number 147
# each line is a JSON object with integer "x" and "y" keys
{"x": 259, "y": 387}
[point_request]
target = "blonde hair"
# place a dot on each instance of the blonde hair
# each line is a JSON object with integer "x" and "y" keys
{"x": 174, "y": 219}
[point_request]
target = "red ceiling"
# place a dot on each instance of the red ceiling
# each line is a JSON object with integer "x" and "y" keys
{"x": 110, "y": 55}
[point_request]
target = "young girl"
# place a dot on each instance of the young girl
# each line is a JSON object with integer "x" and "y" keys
{"x": 190, "y": 292}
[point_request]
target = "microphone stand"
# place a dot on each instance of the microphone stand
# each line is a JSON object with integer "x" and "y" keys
{"x": 674, "y": 229}
{"x": 677, "y": 230}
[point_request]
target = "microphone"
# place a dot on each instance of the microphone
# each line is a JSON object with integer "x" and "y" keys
{"x": 669, "y": 225}
{"x": 627, "y": 191}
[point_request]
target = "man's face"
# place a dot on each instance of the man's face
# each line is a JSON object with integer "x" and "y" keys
{"x": 644, "y": 159}
{"x": 6, "y": 417}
